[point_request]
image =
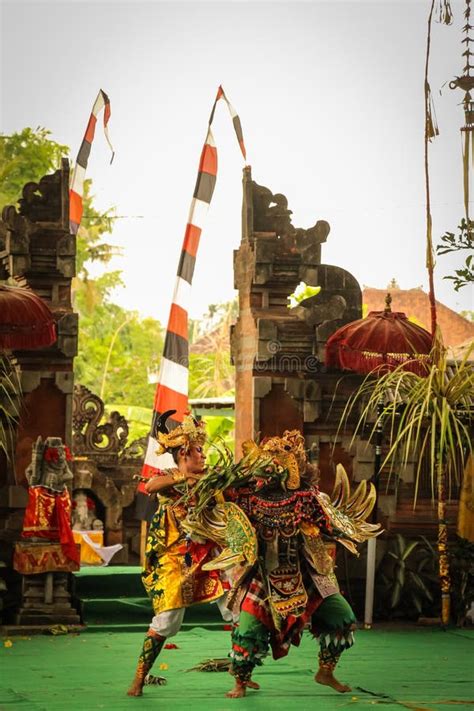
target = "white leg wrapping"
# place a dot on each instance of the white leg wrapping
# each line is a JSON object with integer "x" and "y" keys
{"x": 168, "y": 623}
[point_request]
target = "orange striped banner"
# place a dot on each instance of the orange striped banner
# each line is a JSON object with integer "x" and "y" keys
{"x": 78, "y": 176}
{"x": 172, "y": 386}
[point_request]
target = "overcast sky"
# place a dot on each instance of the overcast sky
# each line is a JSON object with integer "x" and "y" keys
{"x": 330, "y": 95}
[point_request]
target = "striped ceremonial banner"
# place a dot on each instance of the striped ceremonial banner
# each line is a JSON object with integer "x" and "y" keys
{"x": 77, "y": 181}
{"x": 172, "y": 386}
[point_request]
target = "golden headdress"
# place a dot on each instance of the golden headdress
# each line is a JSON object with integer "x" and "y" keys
{"x": 190, "y": 432}
{"x": 288, "y": 451}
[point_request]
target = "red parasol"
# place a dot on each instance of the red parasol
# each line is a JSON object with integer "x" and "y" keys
{"x": 382, "y": 341}
{"x": 25, "y": 320}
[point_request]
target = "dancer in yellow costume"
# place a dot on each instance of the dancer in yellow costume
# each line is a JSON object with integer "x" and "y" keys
{"x": 173, "y": 576}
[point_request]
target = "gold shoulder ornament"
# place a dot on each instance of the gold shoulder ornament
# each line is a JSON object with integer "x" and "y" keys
{"x": 347, "y": 513}
{"x": 228, "y": 526}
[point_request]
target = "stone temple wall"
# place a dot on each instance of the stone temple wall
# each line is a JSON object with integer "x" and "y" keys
{"x": 281, "y": 381}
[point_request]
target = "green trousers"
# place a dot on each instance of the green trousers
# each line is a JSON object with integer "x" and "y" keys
{"x": 333, "y": 624}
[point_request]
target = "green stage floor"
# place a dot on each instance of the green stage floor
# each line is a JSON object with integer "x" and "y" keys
{"x": 390, "y": 667}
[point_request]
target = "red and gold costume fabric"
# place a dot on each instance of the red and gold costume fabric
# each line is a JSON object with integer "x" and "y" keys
{"x": 173, "y": 576}
{"x": 34, "y": 558}
{"x": 48, "y": 516}
{"x": 294, "y": 571}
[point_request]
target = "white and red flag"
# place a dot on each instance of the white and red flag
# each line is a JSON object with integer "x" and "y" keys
{"x": 76, "y": 191}
{"x": 172, "y": 386}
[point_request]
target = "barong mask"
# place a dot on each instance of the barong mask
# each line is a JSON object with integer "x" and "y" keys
{"x": 189, "y": 433}
{"x": 287, "y": 452}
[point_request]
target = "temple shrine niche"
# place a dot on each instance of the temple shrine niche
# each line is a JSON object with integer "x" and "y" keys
{"x": 278, "y": 354}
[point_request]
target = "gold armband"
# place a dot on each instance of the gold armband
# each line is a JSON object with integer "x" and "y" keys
{"x": 177, "y": 477}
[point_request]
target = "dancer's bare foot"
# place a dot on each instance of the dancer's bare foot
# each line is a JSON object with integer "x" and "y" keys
{"x": 327, "y": 678}
{"x": 136, "y": 688}
{"x": 237, "y": 692}
{"x": 250, "y": 684}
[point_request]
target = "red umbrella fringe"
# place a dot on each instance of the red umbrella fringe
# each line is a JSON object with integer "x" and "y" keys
{"x": 381, "y": 342}
{"x": 365, "y": 362}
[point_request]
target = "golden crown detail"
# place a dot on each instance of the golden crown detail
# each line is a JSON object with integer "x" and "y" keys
{"x": 190, "y": 432}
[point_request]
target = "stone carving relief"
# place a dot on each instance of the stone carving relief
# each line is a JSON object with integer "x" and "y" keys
{"x": 40, "y": 201}
{"x": 105, "y": 464}
{"x": 271, "y": 214}
{"x": 90, "y": 437}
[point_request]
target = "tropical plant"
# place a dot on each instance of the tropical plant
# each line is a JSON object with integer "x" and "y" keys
{"x": 26, "y": 156}
{"x": 463, "y": 241}
{"x": 430, "y": 415}
{"x": 116, "y": 349}
{"x": 10, "y": 394}
{"x": 406, "y": 578}
{"x": 220, "y": 431}
{"x": 90, "y": 248}
{"x": 211, "y": 373}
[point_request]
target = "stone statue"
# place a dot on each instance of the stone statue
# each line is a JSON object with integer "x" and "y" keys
{"x": 49, "y": 465}
{"x": 84, "y": 516}
{"x": 48, "y": 513}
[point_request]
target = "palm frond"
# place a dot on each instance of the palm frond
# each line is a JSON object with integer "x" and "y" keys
{"x": 428, "y": 416}
{"x": 10, "y": 393}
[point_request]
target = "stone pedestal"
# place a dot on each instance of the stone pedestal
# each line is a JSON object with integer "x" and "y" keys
{"x": 46, "y": 600}
{"x": 46, "y": 585}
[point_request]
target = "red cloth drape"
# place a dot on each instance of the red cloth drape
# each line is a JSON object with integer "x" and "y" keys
{"x": 48, "y": 516}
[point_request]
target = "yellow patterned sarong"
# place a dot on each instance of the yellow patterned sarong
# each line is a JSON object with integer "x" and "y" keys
{"x": 173, "y": 575}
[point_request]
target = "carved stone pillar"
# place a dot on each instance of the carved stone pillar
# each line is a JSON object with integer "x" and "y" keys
{"x": 36, "y": 247}
{"x": 278, "y": 354}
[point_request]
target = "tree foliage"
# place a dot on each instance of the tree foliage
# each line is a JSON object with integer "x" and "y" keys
{"x": 25, "y": 157}
{"x": 211, "y": 372}
{"x": 117, "y": 368}
{"x": 463, "y": 241}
